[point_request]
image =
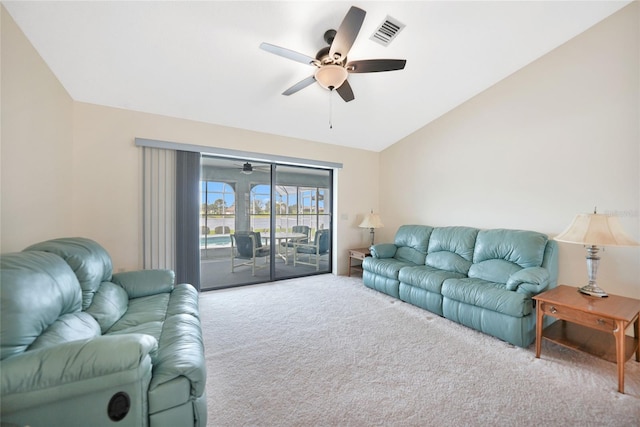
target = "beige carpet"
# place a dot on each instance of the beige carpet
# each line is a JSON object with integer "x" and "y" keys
{"x": 327, "y": 351}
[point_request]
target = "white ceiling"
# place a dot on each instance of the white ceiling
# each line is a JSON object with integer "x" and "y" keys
{"x": 201, "y": 61}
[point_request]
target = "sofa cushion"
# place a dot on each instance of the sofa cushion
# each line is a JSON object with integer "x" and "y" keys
{"x": 109, "y": 303}
{"x": 489, "y": 295}
{"x": 412, "y": 242}
{"x": 143, "y": 310}
{"x": 525, "y": 248}
{"x": 451, "y": 248}
{"x": 500, "y": 253}
{"x": 37, "y": 288}
{"x": 153, "y": 329}
{"x": 89, "y": 261}
{"x": 426, "y": 277}
{"x": 68, "y": 327}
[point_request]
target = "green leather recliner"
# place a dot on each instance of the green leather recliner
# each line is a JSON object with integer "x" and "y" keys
{"x": 81, "y": 346}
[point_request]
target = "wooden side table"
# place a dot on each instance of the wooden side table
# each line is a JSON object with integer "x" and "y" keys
{"x": 590, "y": 324}
{"x": 359, "y": 253}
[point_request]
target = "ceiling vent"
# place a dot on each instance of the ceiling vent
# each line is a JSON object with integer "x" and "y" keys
{"x": 387, "y": 31}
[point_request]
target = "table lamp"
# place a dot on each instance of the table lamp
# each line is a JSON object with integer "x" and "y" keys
{"x": 593, "y": 231}
{"x": 371, "y": 221}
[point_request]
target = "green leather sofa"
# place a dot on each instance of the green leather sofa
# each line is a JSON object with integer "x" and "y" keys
{"x": 81, "y": 346}
{"x": 483, "y": 279}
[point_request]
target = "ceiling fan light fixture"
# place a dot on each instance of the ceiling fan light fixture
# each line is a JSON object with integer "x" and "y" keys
{"x": 331, "y": 76}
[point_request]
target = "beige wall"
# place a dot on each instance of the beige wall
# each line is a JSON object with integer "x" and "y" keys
{"x": 107, "y": 166}
{"x": 555, "y": 139}
{"x": 35, "y": 146}
{"x": 70, "y": 168}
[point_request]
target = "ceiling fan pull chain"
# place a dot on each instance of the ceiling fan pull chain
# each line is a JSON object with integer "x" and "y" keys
{"x": 331, "y": 109}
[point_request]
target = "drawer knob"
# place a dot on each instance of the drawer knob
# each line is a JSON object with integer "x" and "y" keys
{"x": 601, "y": 322}
{"x": 553, "y": 310}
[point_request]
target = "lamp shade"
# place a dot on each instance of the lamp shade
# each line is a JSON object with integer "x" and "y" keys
{"x": 371, "y": 220}
{"x": 596, "y": 229}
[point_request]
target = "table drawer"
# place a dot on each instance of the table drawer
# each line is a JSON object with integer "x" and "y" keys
{"x": 357, "y": 255}
{"x": 578, "y": 316}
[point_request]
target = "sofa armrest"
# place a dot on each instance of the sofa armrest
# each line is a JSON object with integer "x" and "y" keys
{"x": 143, "y": 283}
{"x": 383, "y": 250}
{"x": 181, "y": 354}
{"x": 531, "y": 280}
{"x": 75, "y": 368}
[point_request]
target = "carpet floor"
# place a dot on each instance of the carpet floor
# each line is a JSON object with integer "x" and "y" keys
{"x": 327, "y": 351}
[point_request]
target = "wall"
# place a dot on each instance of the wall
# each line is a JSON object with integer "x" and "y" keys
{"x": 554, "y": 139}
{"x": 70, "y": 168}
{"x": 36, "y": 146}
{"x": 108, "y": 168}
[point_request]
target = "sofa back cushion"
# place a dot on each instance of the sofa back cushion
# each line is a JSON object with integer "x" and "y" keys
{"x": 37, "y": 288}
{"x": 89, "y": 261}
{"x": 451, "y": 248}
{"x": 68, "y": 327}
{"x": 412, "y": 242}
{"x": 499, "y": 253}
{"x": 109, "y": 303}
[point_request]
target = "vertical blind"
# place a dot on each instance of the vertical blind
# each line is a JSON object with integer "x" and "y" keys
{"x": 188, "y": 218}
{"x": 159, "y": 207}
{"x": 170, "y": 213}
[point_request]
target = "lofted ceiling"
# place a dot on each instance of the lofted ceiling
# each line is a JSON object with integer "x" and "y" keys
{"x": 200, "y": 60}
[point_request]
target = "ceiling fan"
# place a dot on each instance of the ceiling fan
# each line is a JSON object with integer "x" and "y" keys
{"x": 331, "y": 61}
{"x": 247, "y": 168}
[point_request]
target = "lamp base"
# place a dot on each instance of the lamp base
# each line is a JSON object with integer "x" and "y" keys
{"x": 593, "y": 290}
{"x": 593, "y": 260}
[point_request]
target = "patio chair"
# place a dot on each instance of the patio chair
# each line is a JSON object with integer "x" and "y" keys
{"x": 222, "y": 229}
{"x": 313, "y": 251}
{"x": 247, "y": 246}
{"x": 303, "y": 229}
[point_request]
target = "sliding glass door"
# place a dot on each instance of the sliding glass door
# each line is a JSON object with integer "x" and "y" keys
{"x": 302, "y": 221}
{"x": 262, "y": 221}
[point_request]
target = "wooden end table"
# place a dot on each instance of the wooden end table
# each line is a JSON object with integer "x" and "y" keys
{"x": 591, "y": 324}
{"x": 359, "y": 253}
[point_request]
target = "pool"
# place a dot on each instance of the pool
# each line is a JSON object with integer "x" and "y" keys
{"x": 215, "y": 240}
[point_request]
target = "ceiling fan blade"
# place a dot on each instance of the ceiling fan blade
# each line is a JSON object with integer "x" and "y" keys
{"x": 347, "y": 32}
{"x": 375, "y": 65}
{"x": 300, "y": 85}
{"x": 345, "y": 91}
{"x": 287, "y": 53}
